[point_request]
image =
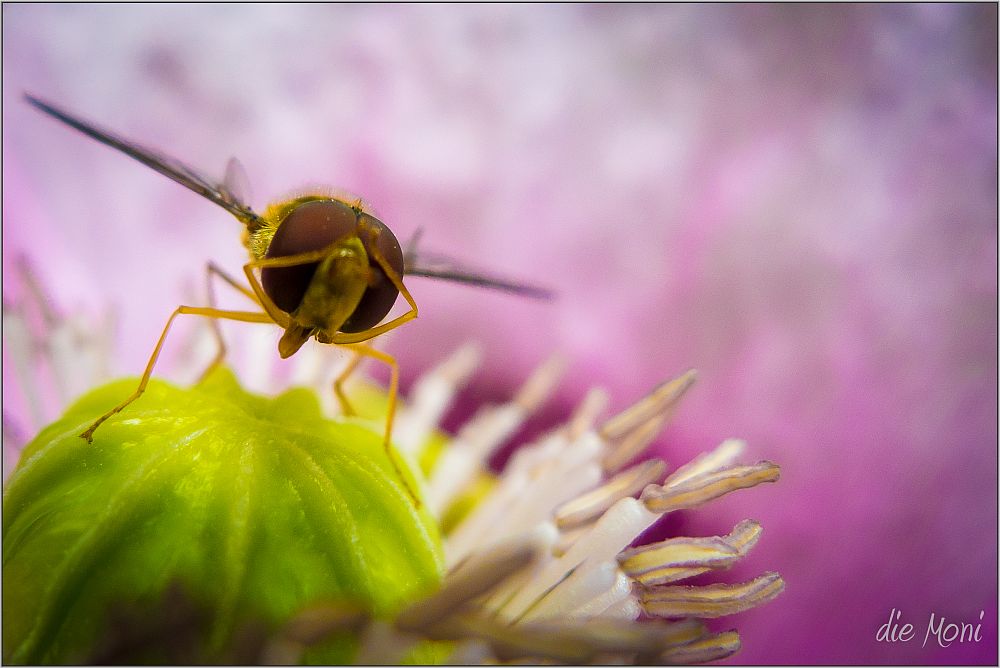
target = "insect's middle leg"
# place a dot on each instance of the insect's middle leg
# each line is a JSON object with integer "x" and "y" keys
{"x": 368, "y": 351}
{"x": 338, "y": 383}
{"x": 212, "y": 269}
{"x": 241, "y": 316}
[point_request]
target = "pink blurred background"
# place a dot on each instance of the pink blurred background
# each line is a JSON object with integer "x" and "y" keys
{"x": 799, "y": 201}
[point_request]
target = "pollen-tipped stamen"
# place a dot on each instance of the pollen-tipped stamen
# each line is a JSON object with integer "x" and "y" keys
{"x": 710, "y": 601}
{"x": 711, "y": 648}
{"x": 679, "y": 558}
{"x": 474, "y": 577}
{"x": 589, "y": 506}
{"x": 703, "y": 488}
{"x": 661, "y": 399}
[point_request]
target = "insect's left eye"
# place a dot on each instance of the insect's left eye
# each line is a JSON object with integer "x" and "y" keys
{"x": 315, "y": 225}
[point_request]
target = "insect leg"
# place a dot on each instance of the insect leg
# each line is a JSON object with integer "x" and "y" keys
{"x": 341, "y": 337}
{"x": 368, "y": 351}
{"x": 221, "y": 273}
{"x": 272, "y": 309}
{"x": 213, "y": 269}
{"x": 338, "y": 383}
{"x": 242, "y": 316}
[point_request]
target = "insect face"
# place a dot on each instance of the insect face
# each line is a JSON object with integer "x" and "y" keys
{"x": 313, "y": 224}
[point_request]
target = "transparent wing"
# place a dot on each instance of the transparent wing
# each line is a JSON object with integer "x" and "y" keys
{"x": 169, "y": 167}
{"x": 236, "y": 183}
{"x": 438, "y": 266}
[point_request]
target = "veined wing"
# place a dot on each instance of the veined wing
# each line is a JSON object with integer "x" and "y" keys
{"x": 169, "y": 167}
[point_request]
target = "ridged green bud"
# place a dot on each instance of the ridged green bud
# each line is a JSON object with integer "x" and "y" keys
{"x": 252, "y": 508}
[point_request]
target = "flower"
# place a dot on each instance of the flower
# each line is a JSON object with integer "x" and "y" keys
{"x": 810, "y": 194}
{"x": 538, "y": 563}
{"x": 541, "y": 568}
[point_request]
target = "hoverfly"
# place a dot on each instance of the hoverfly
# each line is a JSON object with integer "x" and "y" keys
{"x": 328, "y": 269}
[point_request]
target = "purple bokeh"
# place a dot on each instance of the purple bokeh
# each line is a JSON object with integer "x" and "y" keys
{"x": 800, "y": 201}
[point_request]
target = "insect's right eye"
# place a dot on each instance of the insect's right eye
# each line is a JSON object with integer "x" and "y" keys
{"x": 310, "y": 226}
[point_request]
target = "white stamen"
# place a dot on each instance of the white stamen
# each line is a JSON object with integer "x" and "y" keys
{"x": 547, "y": 491}
{"x": 541, "y": 383}
{"x": 617, "y": 528}
{"x": 660, "y": 401}
{"x": 724, "y": 455}
{"x": 476, "y": 531}
{"x": 583, "y": 585}
{"x": 556, "y": 450}
{"x": 535, "y": 482}
{"x": 381, "y": 645}
{"x": 594, "y": 403}
{"x": 567, "y": 537}
{"x": 487, "y": 430}
{"x": 588, "y": 506}
{"x": 633, "y": 444}
{"x": 20, "y": 346}
{"x": 545, "y": 534}
{"x": 538, "y": 540}
{"x": 75, "y": 355}
{"x": 468, "y": 452}
{"x": 432, "y": 394}
{"x": 619, "y": 590}
{"x": 626, "y": 608}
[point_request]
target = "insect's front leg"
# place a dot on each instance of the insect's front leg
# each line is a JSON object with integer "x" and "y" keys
{"x": 270, "y": 307}
{"x": 241, "y": 316}
{"x": 397, "y": 280}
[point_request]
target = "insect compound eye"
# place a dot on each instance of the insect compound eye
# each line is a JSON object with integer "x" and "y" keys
{"x": 381, "y": 294}
{"x": 310, "y": 226}
{"x": 314, "y": 225}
